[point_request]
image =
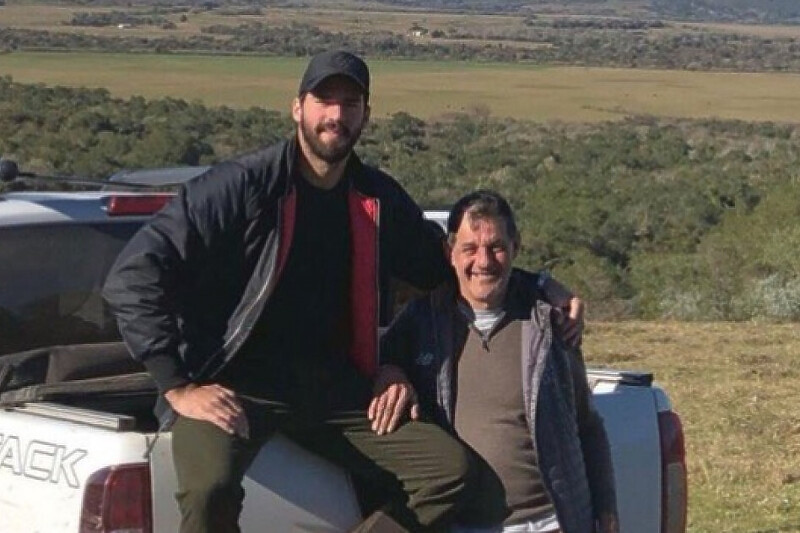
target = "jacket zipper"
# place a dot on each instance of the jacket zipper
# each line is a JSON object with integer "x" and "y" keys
{"x": 256, "y": 301}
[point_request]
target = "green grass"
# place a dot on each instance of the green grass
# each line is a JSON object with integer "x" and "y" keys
{"x": 429, "y": 88}
{"x": 735, "y": 387}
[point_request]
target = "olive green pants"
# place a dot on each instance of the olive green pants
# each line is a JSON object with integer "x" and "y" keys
{"x": 423, "y": 475}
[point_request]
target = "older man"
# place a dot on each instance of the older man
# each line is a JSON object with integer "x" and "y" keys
{"x": 488, "y": 360}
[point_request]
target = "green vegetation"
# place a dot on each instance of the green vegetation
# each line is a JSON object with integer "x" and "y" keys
{"x": 645, "y": 217}
{"x": 89, "y": 133}
{"x": 550, "y": 45}
{"x": 521, "y": 36}
{"x": 116, "y": 18}
{"x": 639, "y": 217}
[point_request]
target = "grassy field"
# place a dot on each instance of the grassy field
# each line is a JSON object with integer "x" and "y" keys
{"x": 735, "y": 387}
{"x": 428, "y": 89}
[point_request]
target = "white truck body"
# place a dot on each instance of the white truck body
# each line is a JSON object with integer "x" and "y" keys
{"x": 50, "y": 451}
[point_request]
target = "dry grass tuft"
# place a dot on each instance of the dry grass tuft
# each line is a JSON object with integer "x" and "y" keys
{"x": 735, "y": 386}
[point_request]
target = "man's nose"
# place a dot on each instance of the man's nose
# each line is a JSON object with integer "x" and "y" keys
{"x": 483, "y": 257}
{"x": 335, "y": 110}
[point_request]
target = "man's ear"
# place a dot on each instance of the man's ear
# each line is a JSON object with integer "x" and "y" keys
{"x": 367, "y": 111}
{"x": 297, "y": 109}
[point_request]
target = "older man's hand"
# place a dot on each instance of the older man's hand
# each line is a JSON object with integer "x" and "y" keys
{"x": 572, "y": 327}
{"x": 572, "y": 308}
{"x": 393, "y": 396}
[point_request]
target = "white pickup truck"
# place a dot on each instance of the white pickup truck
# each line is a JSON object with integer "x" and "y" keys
{"x": 79, "y": 450}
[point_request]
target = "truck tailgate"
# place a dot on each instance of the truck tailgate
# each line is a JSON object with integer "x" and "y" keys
{"x": 631, "y": 421}
{"x": 45, "y": 462}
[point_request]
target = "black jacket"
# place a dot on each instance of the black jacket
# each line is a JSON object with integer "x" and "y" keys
{"x": 191, "y": 284}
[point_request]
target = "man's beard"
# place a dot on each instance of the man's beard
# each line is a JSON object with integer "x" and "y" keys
{"x": 330, "y": 153}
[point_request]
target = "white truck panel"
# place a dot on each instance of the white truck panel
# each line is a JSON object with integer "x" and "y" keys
{"x": 44, "y": 464}
{"x": 287, "y": 489}
{"x": 631, "y": 421}
{"x": 302, "y": 492}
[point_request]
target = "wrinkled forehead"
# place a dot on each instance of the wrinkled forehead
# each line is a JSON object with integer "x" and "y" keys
{"x": 476, "y": 220}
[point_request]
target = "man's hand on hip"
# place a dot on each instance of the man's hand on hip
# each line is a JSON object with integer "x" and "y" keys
{"x": 211, "y": 403}
{"x": 392, "y": 395}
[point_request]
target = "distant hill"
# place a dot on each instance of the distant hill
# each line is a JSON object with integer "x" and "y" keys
{"x": 748, "y": 11}
{"x": 772, "y": 11}
{"x": 766, "y": 11}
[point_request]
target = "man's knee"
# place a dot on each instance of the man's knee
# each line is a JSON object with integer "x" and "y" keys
{"x": 212, "y": 490}
{"x": 459, "y": 467}
{"x": 445, "y": 456}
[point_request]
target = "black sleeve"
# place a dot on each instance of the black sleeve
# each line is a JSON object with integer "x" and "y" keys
{"x": 143, "y": 287}
{"x": 416, "y": 246}
{"x": 398, "y": 341}
{"x": 594, "y": 441}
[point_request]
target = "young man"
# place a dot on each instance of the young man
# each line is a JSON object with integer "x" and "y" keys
{"x": 253, "y": 299}
{"x": 488, "y": 360}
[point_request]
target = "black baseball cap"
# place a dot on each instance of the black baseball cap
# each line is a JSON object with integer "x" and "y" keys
{"x": 335, "y": 63}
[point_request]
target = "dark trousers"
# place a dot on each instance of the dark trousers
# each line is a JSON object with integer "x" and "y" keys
{"x": 423, "y": 475}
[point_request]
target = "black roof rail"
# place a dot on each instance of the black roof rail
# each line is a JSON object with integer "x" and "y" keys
{"x": 9, "y": 172}
{"x": 158, "y": 177}
{"x": 155, "y": 178}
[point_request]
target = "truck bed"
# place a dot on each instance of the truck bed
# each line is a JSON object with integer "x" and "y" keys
{"x": 49, "y": 449}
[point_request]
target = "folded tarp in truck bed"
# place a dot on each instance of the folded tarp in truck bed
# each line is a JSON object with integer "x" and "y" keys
{"x": 47, "y": 374}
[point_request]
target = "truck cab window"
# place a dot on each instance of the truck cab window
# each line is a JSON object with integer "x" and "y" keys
{"x": 50, "y": 282}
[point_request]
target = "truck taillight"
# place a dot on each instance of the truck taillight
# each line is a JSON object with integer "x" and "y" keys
{"x": 117, "y": 500}
{"x": 673, "y": 474}
{"x": 145, "y": 204}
